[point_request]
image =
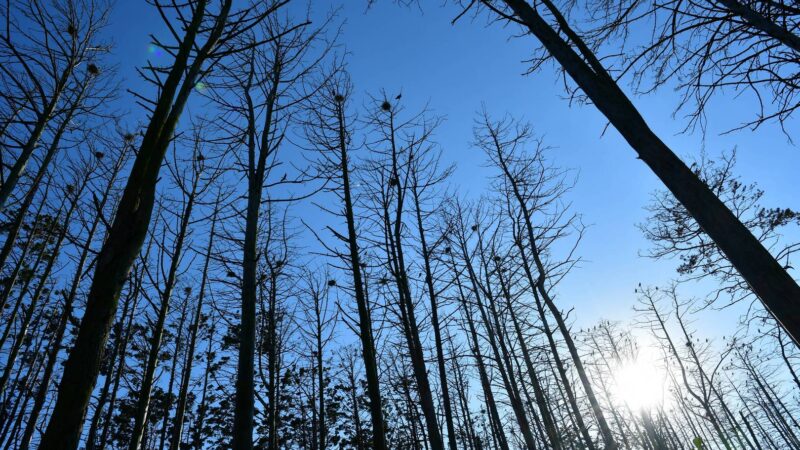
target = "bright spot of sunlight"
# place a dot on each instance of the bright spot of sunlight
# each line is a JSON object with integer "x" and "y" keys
{"x": 641, "y": 383}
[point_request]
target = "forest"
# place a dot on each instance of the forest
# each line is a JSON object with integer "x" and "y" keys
{"x": 234, "y": 241}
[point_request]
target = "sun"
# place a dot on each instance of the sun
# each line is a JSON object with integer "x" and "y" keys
{"x": 641, "y": 383}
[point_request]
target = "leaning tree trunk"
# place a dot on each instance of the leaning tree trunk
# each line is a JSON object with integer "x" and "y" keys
{"x": 125, "y": 239}
{"x": 538, "y": 392}
{"x": 778, "y": 291}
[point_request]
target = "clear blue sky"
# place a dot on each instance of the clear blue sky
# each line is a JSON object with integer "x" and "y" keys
{"x": 457, "y": 68}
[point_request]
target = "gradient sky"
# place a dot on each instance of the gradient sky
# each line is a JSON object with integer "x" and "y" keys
{"x": 457, "y": 68}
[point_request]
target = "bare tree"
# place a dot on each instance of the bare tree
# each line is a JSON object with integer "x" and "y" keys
{"x": 774, "y": 286}
{"x": 50, "y": 52}
{"x": 208, "y": 37}
{"x": 329, "y": 131}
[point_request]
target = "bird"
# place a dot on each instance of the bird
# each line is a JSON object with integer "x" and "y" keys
{"x": 398, "y": 96}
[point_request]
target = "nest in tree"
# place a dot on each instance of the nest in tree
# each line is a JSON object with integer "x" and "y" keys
{"x": 363, "y": 265}
{"x": 339, "y": 98}
{"x": 99, "y": 155}
{"x": 331, "y": 283}
{"x": 129, "y": 137}
{"x": 496, "y": 259}
{"x": 71, "y": 30}
{"x": 70, "y": 188}
{"x": 231, "y": 274}
{"x": 474, "y": 228}
{"x": 200, "y": 157}
{"x": 392, "y": 181}
{"x": 187, "y": 290}
{"x": 447, "y": 250}
{"x": 386, "y": 106}
{"x": 383, "y": 281}
{"x": 93, "y": 69}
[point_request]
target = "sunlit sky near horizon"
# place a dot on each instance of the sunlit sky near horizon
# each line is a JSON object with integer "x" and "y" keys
{"x": 455, "y": 69}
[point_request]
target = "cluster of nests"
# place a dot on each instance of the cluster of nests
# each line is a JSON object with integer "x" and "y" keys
{"x": 91, "y": 68}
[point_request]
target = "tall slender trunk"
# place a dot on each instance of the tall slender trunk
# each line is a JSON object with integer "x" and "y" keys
{"x": 497, "y": 344}
{"x": 538, "y": 392}
{"x": 183, "y": 395}
{"x": 398, "y": 268}
{"x": 565, "y": 381}
{"x": 273, "y": 366}
{"x": 117, "y": 354}
{"x": 364, "y": 319}
{"x": 258, "y": 152}
{"x": 121, "y": 365}
{"x": 437, "y": 333}
{"x": 202, "y": 407}
{"x": 491, "y": 404}
{"x": 162, "y": 440}
{"x": 322, "y": 427}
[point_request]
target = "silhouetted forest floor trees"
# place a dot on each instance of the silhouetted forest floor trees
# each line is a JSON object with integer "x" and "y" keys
{"x": 286, "y": 265}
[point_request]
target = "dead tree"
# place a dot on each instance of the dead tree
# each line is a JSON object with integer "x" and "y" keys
{"x": 208, "y": 37}
{"x": 396, "y": 143}
{"x": 318, "y": 327}
{"x": 192, "y": 179}
{"x": 268, "y": 82}
{"x": 769, "y": 280}
{"x": 536, "y": 190}
{"x": 50, "y": 53}
{"x": 194, "y": 329}
{"x": 329, "y": 132}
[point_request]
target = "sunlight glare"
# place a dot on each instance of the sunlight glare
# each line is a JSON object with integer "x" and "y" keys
{"x": 641, "y": 383}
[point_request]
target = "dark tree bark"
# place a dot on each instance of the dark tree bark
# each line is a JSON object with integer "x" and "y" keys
{"x": 127, "y": 233}
{"x": 329, "y": 131}
{"x": 778, "y": 291}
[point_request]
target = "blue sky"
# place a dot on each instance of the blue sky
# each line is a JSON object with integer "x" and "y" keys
{"x": 457, "y": 68}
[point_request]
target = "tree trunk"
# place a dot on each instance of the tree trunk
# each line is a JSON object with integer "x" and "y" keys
{"x": 778, "y": 291}
{"x": 180, "y": 410}
{"x": 491, "y": 405}
{"x": 437, "y": 333}
{"x": 143, "y": 400}
{"x": 125, "y": 240}
{"x": 364, "y": 319}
